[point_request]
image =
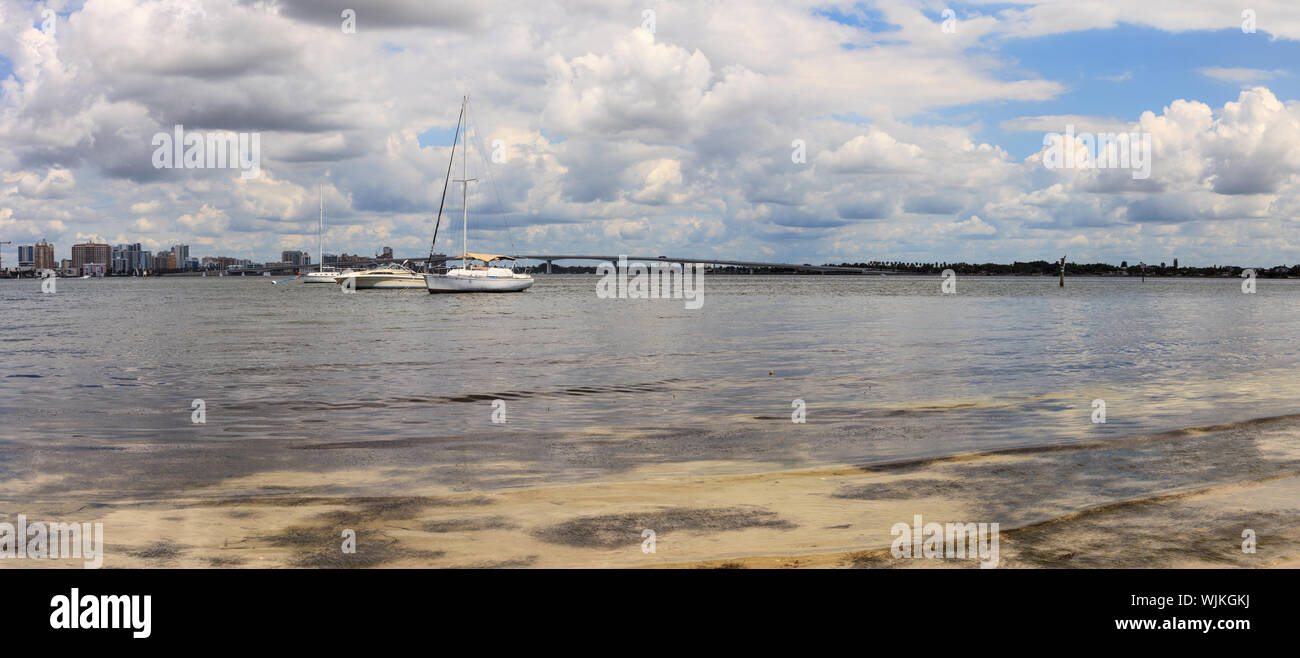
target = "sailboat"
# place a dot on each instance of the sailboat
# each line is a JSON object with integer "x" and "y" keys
{"x": 323, "y": 273}
{"x": 467, "y": 277}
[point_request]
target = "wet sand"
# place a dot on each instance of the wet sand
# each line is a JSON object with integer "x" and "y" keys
{"x": 1172, "y": 499}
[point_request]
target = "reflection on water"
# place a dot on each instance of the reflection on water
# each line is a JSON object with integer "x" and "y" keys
{"x": 311, "y": 392}
{"x": 890, "y": 368}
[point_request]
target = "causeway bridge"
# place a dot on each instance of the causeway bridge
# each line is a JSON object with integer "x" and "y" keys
{"x": 548, "y": 259}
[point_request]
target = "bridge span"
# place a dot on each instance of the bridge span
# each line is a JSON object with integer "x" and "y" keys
{"x": 550, "y": 258}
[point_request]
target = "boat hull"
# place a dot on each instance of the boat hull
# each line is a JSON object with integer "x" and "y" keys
{"x": 441, "y": 283}
{"x": 383, "y": 283}
{"x": 317, "y": 277}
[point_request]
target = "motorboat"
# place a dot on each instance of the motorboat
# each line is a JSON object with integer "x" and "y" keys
{"x": 389, "y": 275}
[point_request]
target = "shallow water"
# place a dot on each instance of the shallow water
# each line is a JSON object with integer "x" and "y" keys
{"x": 99, "y": 378}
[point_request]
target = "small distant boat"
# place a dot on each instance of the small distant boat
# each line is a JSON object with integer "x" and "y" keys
{"x": 325, "y": 275}
{"x": 470, "y": 278}
{"x": 390, "y": 275}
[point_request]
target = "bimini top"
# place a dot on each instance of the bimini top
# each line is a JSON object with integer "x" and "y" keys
{"x": 487, "y": 258}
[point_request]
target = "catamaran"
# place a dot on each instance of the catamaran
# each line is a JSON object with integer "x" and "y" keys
{"x": 324, "y": 273}
{"x": 467, "y": 277}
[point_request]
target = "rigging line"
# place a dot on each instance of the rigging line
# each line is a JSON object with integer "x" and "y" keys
{"x": 446, "y": 180}
{"x": 496, "y": 192}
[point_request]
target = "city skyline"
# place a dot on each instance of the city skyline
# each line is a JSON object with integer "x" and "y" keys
{"x": 131, "y": 257}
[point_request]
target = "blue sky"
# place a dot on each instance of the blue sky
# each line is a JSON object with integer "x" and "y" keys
{"x": 1161, "y": 67}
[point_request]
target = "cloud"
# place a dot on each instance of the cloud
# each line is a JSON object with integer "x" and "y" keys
{"x": 874, "y": 151}
{"x": 1058, "y": 123}
{"x": 674, "y": 141}
{"x": 970, "y": 227}
{"x": 1239, "y": 75}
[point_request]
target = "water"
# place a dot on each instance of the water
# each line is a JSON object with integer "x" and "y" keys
{"x": 100, "y": 378}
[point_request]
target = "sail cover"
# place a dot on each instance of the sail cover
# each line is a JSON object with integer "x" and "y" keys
{"x": 487, "y": 258}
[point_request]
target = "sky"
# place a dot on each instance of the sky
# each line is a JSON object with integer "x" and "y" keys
{"x": 776, "y": 131}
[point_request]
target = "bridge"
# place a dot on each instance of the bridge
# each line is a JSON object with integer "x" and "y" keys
{"x": 416, "y": 263}
{"x": 708, "y": 261}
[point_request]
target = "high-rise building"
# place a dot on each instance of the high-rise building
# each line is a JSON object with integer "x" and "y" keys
{"x": 295, "y": 257}
{"x": 164, "y": 260}
{"x": 45, "y": 256}
{"x": 91, "y": 252}
{"x": 26, "y": 255}
{"x": 387, "y": 253}
{"x": 127, "y": 258}
{"x": 120, "y": 261}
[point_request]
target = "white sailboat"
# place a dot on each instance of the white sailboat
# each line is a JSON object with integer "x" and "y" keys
{"x": 324, "y": 273}
{"x": 467, "y": 277}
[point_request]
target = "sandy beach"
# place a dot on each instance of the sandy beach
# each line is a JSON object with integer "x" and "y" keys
{"x": 1054, "y": 507}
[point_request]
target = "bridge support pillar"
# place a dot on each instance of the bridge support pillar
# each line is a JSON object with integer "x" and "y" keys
{"x": 548, "y": 267}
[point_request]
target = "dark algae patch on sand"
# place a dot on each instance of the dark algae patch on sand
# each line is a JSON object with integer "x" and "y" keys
{"x": 469, "y": 524}
{"x": 614, "y": 530}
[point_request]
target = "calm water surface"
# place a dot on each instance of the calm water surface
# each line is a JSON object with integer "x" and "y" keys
{"x": 98, "y": 379}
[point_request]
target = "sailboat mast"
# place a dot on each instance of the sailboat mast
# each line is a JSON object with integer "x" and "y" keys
{"x": 464, "y": 194}
{"x": 451, "y": 162}
{"x": 320, "y": 233}
{"x": 464, "y": 198}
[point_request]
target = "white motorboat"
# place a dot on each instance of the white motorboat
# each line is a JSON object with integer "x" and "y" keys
{"x": 467, "y": 277}
{"x": 324, "y": 273}
{"x": 390, "y": 275}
